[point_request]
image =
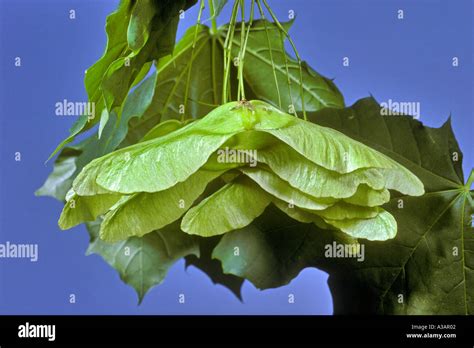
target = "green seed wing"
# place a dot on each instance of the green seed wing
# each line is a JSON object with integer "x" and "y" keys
{"x": 313, "y": 179}
{"x": 381, "y": 227}
{"x": 343, "y": 211}
{"x": 159, "y": 163}
{"x": 162, "y": 128}
{"x": 301, "y": 215}
{"x": 232, "y": 207}
{"x": 312, "y": 173}
{"x": 144, "y": 212}
{"x": 367, "y": 197}
{"x": 336, "y": 152}
{"x": 79, "y": 209}
{"x": 283, "y": 191}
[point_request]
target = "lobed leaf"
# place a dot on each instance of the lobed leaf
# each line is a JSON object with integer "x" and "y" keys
{"x": 203, "y": 64}
{"x": 213, "y": 267}
{"x": 144, "y": 262}
{"x": 429, "y": 262}
{"x": 266, "y": 57}
{"x": 272, "y": 250}
{"x": 138, "y": 30}
{"x": 150, "y": 37}
{"x": 218, "y": 6}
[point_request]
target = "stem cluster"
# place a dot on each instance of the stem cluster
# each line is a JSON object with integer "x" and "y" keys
{"x": 239, "y": 61}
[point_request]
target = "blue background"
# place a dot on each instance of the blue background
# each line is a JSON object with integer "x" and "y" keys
{"x": 404, "y": 60}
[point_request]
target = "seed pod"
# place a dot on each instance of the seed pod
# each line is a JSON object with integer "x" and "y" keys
{"x": 327, "y": 177}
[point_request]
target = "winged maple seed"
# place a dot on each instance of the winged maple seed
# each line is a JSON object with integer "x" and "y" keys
{"x": 152, "y": 170}
{"x": 179, "y": 165}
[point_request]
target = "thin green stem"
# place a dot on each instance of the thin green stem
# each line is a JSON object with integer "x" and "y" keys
{"x": 287, "y": 69}
{"x": 244, "y": 48}
{"x": 213, "y": 62}
{"x": 227, "y": 51}
{"x": 240, "y": 91}
{"x": 213, "y": 49}
{"x": 214, "y": 105}
{"x": 188, "y": 79}
{"x": 278, "y": 24}
{"x": 213, "y": 17}
{"x": 270, "y": 50}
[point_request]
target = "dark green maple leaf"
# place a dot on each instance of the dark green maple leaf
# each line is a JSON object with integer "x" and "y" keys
{"x": 427, "y": 269}
{"x": 144, "y": 262}
{"x": 213, "y": 267}
{"x": 271, "y": 74}
{"x": 218, "y": 6}
{"x": 138, "y": 33}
